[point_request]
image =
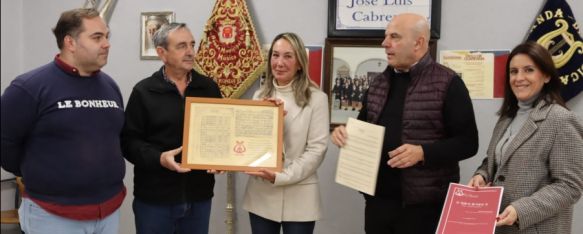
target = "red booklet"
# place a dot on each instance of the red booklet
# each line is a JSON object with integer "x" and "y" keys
{"x": 470, "y": 210}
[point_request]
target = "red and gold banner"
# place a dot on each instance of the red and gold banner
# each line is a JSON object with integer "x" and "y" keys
{"x": 229, "y": 51}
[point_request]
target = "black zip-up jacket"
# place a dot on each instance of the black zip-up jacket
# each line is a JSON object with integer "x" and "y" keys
{"x": 154, "y": 124}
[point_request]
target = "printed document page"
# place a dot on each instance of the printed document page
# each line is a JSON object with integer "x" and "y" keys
{"x": 358, "y": 162}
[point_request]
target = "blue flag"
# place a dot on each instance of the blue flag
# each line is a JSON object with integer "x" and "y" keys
{"x": 556, "y": 29}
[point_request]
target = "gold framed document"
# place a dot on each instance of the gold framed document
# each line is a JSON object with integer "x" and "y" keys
{"x": 232, "y": 134}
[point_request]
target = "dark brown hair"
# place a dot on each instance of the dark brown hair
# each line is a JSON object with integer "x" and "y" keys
{"x": 544, "y": 62}
{"x": 71, "y": 23}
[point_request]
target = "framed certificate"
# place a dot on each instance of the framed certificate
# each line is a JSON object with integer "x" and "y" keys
{"x": 483, "y": 71}
{"x": 232, "y": 134}
{"x": 369, "y": 18}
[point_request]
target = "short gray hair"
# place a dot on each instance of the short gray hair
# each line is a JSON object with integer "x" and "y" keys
{"x": 161, "y": 36}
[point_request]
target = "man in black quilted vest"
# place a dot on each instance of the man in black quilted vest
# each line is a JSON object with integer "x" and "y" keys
{"x": 429, "y": 127}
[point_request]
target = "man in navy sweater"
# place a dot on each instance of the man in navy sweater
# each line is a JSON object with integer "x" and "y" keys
{"x": 60, "y": 131}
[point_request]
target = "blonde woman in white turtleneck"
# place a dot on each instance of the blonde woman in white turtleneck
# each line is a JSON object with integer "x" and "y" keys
{"x": 536, "y": 148}
{"x": 290, "y": 199}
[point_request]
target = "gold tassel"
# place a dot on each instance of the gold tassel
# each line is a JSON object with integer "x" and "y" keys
{"x": 247, "y": 38}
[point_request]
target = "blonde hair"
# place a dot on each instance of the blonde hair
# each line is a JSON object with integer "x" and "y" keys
{"x": 301, "y": 83}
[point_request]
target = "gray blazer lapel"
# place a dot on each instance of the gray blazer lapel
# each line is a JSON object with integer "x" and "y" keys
{"x": 525, "y": 132}
{"x": 499, "y": 130}
{"x": 539, "y": 113}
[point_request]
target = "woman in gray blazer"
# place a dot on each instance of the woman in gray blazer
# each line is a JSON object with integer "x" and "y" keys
{"x": 290, "y": 199}
{"x": 536, "y": 149}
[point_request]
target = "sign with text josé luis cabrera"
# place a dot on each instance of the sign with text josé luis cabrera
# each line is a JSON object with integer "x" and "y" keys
{"x": 375, "y": 14}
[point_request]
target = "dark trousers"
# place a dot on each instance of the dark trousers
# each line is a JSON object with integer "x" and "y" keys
{"x": 191, "y": 218}
{"x": 260, "y": 225}
{"x": 392, "y": 217}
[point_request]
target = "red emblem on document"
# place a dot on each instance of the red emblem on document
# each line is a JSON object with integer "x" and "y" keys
{"x": 239, "y": 148}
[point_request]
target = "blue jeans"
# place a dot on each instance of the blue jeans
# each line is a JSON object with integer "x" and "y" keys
{"x": 191, "y": 218}
{"x": 35, "y": 220}
{"x": 260, "y": 225}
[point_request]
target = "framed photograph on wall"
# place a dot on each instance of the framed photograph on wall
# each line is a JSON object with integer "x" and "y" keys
{"x": 350, "y": 65}
{"x": 354, "y": 18}
{"x": 150, "y": 23}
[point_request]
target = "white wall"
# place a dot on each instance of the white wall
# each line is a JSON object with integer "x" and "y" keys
{"x": 11, "y": 18}
{"x": 27, "y": 42}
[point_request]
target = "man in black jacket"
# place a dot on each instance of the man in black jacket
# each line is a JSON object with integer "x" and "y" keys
{"x": 168, "y": 198}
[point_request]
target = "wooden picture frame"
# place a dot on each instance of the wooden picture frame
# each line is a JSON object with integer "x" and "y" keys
{"x": 356, "y": 62}
{"x": 378, "y": 31}
{"x": 232, "y": 135}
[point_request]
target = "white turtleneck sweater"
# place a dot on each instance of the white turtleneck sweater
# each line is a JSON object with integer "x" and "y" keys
{"x": 286, "y": 93}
